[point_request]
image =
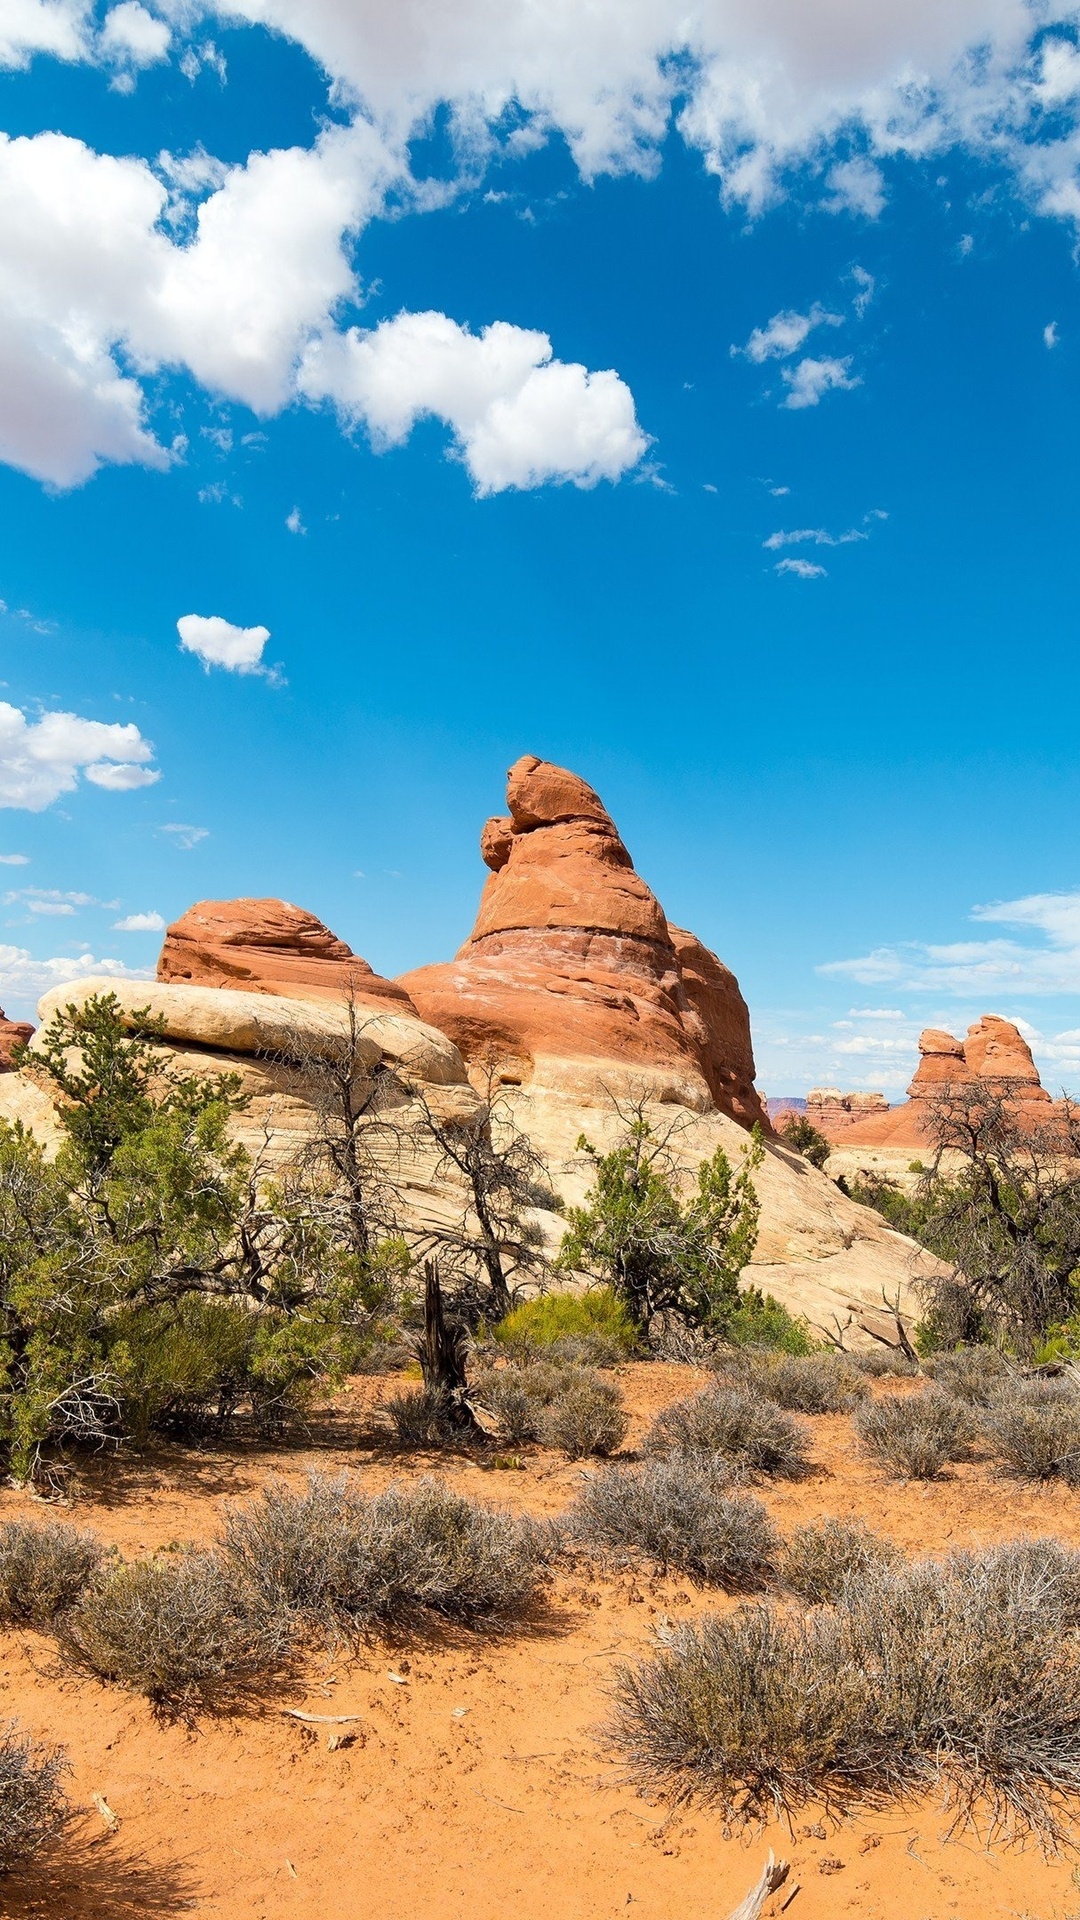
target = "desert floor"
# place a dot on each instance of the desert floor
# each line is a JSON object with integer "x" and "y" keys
{"x": 481, "y": 1786}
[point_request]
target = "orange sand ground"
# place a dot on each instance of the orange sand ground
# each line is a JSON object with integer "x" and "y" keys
{"x": 479, "y": 1788}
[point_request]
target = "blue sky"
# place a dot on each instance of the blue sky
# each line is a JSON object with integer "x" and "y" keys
{"x": 703, "y": 418}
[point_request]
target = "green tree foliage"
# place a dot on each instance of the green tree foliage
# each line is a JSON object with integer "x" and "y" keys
{"x": 1000, "y": 1206}
{"x": 662, "y": 1252}
{"x": 800, "y": 1134}
{"x": 151, "y": 1275}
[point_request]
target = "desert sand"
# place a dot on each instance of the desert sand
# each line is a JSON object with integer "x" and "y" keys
{"x": 477, "y": 1782}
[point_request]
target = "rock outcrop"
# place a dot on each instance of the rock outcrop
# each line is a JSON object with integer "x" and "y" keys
{"x": 834, "y": 1113}
{"x": 993, "y": 1054}
{"x": 269, "y": 946}
{"x": 573, "y": 984}
{"x": 573, "y": 977}
{"x": 266, "y": 1040}
{"x": 13, "y": 1033}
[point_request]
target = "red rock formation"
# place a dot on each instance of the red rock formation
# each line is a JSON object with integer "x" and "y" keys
{"x": 268, "y": 946}
{"x": 13, "y": 1033}
{"x": 994, "y": 1052}
{"x": 572, "y": 958}
{"x": 834, "y": 1113}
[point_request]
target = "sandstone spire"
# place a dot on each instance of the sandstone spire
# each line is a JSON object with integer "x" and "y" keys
{"x": 572, "y": 971}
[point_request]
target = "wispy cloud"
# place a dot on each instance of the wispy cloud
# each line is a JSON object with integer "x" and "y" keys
{"x": 811, "y": 379}
{"x": 1049, "y": 966}
{"x": 802, "y": 569}
{"x": 815, "y": 536}
{"x": 785, "y": 332}
{"x": 184, "y": 836}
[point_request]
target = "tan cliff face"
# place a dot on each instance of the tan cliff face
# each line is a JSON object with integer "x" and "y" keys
{"x": 572, "y": 972}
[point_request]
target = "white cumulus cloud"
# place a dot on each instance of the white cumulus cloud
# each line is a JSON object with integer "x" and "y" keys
{"x": 134, "y": 36}
{"x": 23, "y": 979}
{"x": 519, "y": 417}
{"x": 801, "y": 569}
{"x": 57, "y": 27}
{"x": 139, "y": 923}
{"x": 217, "y": 643}
{"x": 41, "y": 759}
{"x": 855, "y": 186}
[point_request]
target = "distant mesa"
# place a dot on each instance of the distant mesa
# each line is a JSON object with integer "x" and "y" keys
{"x": 994, "y": 1053}
{"x": 574, "y": 977}
{"x": 269, "y": 946}
{"x": 13, "y": 1033}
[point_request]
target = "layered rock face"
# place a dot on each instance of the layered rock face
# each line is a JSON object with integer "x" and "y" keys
{"x": 269, "y": 946}
{"x": 572, "y": 975}
{"x": 13, "y": 1033}
{"x": 834, "y": 1113}
{"x": 994, "y": 1053}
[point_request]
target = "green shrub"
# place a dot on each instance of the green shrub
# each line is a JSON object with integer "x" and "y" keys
{"x": 33, "y": 1806}
{"x": 823, "y": 1382}
{"x": 679, "y": 1512}
{"x": 760, "y": 1321}
{"x": 915, "y": 1435}
{"x": 962, "y": 1676}
{"x": 335, "y": 1557}
{"x": 178, "y": 1628}
{"x": 818, "y": 1561}
{"x": 44, "y": 1567}
{"x": 801, "y": 1135}
{"x": 735, "y": 1424}
{"x": 594, "y": 1327}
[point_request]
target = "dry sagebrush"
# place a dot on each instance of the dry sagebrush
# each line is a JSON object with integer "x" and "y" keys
{"x": 33, "y": 1805}
{"x": 735, "y": 1425}
{"x": 819, "y": 1560}
{"x": 823, "y": 1382}
{"x": 679, "y": 1512}
{"x": 915, "y": 1435}
{"x": 962, "y": 1676}
{"x": 568, "y": 1407}
{"x": 44, "y": 1567}
{"x": 334, "y": 1556}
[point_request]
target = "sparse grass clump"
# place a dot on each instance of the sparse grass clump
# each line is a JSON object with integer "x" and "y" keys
{"x": 420, "y": 1418}
{"x": 568, "y": 1407}
{"x": 593, "y": 1328}
{"x": 680, "y": 1512}
{"x": 734, "y": 1424}
{"x": 962, "y": 1675}
{"x": 334, "y": 1557}
{"x": 586, "y": 1417}
{"x": 823, "y": 1382}
{"x": 33, "y": 1805}
{"x": 915, "y": 1435}
{"x": 44, "y": 1567}
{"x": 819, "y": 1560}
{"x": 976, "y": 1375}
{"x": 883, "y": 1362}
{"x": 179, "y": 1628}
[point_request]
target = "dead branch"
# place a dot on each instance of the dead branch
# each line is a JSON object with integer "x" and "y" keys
{"x": 773, "y": 1875}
